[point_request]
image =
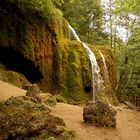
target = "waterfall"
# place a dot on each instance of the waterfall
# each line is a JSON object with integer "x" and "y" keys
{"x": 97, "y": 81}
{"x": 104, "y": 62}
{"x": 105, "y": 69}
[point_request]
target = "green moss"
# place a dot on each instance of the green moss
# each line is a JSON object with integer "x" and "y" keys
{"x": 29, "y": 119}
{"x": 14, "y": 78}
{"x": 34, "y": 28}
{"x": 38, "y": 31}
{"x": 14, "y": 27}
{"x": 60, "y": 98}
{"x": 73, "y": 70}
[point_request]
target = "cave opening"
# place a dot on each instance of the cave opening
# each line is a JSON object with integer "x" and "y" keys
{"x": 14, "y": 61}
{"x": 87, "y": 89}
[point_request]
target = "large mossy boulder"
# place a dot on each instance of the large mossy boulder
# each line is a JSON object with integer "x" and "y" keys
{"x": 99, "y": 114}
{"x": 25, "y": 118}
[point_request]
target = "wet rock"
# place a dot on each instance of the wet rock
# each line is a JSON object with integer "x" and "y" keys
{"x": 99, "y": 114}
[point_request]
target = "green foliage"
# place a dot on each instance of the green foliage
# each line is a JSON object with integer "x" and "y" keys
{"x": 58, "y": 3}
{"x": 86, "y": 17}
{"x": 72, "y": 70}
{"x": 129, "y": 6}
{"x": 130, "y": 76}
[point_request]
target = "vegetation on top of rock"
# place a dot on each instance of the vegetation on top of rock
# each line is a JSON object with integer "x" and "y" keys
{"x": 25, "y": 118}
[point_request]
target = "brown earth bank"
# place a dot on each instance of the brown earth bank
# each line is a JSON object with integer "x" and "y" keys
{"x": 128, "y": 121}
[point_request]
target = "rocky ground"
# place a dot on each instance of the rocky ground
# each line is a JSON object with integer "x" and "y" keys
{"x": 128, "y": 121}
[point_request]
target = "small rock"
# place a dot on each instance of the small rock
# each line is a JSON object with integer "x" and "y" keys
{"x": 32, "y": 90}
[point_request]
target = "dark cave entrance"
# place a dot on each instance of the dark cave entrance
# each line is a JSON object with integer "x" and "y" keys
{"x": 88, "y": 89}
{"x": 14, "y": 61}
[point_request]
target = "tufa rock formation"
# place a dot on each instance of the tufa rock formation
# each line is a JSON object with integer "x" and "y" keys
{"x": 35, "y": 42}
{"x": 99, "y": 114}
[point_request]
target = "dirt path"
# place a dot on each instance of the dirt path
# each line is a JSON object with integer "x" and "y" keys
{"x": 7, "y": 90}
{"x": 128, "y": 124}
{"x": 128, "y": 121}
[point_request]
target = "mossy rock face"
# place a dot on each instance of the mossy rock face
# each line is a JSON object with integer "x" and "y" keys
{"x": 31, "y": 29}
{"x": 60, "y": 98}
{"x": 110, "y": 80}
{"x": 12, "y": 77}
{"x": 24, "y": 118}
{"x": 35, "y": 36}
{"x": 107, "y": 72}
{"x": 73, "y": 71}
{"x": 47, "y": 98}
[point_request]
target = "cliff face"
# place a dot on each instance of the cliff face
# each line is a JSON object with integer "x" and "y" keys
{"x": 36, "y": 42}
{"x": 26, "y": 42}
{"x": 109, "y": 77}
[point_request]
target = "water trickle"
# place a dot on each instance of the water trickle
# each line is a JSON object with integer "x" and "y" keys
{"x": 97, "y": 81}
{"x": 105, "y": 69}
{"x": 104, "y": 62}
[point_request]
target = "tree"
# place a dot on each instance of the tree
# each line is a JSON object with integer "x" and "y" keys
{"x": 129, "y": 81}
{"x": 86, "y": 17}
{"x": 129, "y": 85}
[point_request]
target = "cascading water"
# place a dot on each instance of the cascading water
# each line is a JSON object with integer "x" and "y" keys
{"x": 105, "y": 69}
{"x": 104, "y": 62}
{"x": 97, "y": 81}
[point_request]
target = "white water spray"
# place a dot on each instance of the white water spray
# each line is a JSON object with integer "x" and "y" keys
{"x": 104, "y": 62}
{"x": 105, "y": 69}
{"x": 97, "y": 81}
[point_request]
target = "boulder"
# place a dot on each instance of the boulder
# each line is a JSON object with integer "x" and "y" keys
{"x": 32, "y": 90}
{"x": 99, "y": 114}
